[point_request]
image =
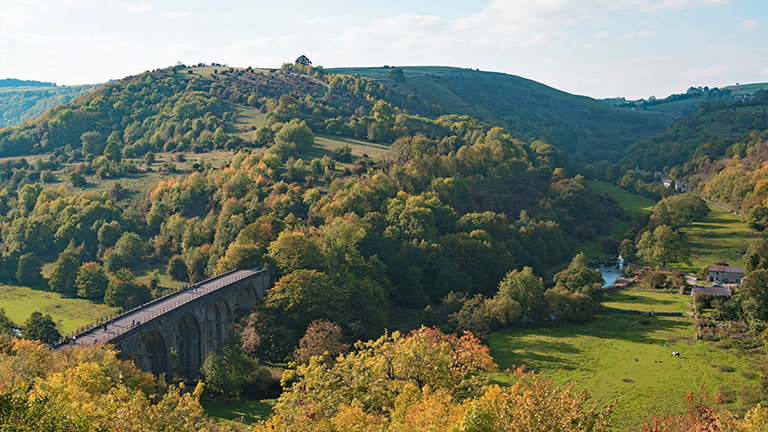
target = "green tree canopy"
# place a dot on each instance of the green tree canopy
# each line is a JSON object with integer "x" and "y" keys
{"x": 64, "y": 273}
{"x": 91, "y": 281}
{"x": 754, "y": 295}
{"x": 126, "y": 253}
{"x": 293, "y": 250}
{"x": 527, "y": 290}
{"x": 663, "y": 245}
{"x": 28, "y": 271}
{"x": 123, "y": 291}
{"x": 41, "y": 327}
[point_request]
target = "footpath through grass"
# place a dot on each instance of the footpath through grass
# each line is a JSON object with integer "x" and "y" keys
{"x": 721, "y": 236}
{"x": 633, "y": 205}
{"x": 627, "y": 358}
{"x": 69, "y": 313}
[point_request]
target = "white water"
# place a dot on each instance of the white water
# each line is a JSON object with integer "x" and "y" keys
{"x": 610, "y": 274}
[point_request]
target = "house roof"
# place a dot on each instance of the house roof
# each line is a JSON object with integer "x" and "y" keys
{"x": 717, "y": 291}
{"x": 727, "y": 269}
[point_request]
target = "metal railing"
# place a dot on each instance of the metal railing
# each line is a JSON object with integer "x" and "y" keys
{"x": 197, "y": 290}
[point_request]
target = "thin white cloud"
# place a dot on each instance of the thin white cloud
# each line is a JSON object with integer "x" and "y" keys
{"x": 323, "y": 20}
{"x": 751, "y": 24}
{"x": 175, "y": 14}
{"x": 652, "y": 6}
{"x": 135, "y": 7}
{"x": 642, "y": 34}
{"x": 698, "y": 73}
{"x": 601, "y": 34}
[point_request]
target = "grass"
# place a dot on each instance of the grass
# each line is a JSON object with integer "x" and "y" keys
{"x": 69, "y": 313}
{"x": 721, "y": 236}
{"x": 238, "y": 412}
{"x": 627, "y": 358}
{"x": 633, "y": 205}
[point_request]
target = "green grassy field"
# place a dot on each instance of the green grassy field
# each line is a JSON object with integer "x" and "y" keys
{"x": 627, "y": 358}
{"x": 69, "y": 313}
{"x": 633, "y": 205}
{"x": 238, "y": 412}
{"x": 721, "y": 236}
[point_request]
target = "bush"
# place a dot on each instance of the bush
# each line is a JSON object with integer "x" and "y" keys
{"x": 231, "y": 372}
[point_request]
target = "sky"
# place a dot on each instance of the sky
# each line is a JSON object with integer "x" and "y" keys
{"x": 598, "y": 48}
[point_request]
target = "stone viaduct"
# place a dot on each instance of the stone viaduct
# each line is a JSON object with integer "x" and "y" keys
{"x": 174, "y": 334}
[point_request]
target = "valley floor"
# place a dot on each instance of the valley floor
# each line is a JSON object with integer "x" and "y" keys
{"x": 627, "y": 358}
{"x": 69, "y": 313}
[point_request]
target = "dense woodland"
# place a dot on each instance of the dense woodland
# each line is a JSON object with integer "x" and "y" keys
{"x": 463, "y": 227}
{"x": 456, "y": 206}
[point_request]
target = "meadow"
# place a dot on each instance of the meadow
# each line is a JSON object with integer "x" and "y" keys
{"x": 69, "y": 313}
{"x": 633, "y": 205}
{"x": 721, "y": 236}
{"x": 238, "y": 412}
{"x": 627, "y": 358}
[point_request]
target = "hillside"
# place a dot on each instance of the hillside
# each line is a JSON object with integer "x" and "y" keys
{"x": 28, "y": 100}
{"x": 683, "y": 104}
{"x": 705, "y": 135}
{"x": 578, "y": 125}
{"x": 18, "y": 83}
{"x": 332, "y": 180}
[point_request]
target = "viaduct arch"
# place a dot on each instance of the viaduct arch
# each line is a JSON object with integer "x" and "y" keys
{"x": 174, "y": 334}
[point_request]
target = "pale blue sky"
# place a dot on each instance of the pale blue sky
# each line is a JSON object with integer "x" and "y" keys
{"x": 600, "y": 48}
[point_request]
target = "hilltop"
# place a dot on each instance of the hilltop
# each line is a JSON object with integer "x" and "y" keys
{"x": 683, "y": 104}
{"x": 578, "y": 125}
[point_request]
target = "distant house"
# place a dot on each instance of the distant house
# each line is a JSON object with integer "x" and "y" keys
{"x": 726, "y": 274}
{"x": 721, "y": 291}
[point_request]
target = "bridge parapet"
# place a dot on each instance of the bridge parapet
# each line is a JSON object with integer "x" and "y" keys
{"x": 174, "y": 333}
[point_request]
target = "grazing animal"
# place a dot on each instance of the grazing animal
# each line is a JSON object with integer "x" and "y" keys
{"x": 675, "y": 354}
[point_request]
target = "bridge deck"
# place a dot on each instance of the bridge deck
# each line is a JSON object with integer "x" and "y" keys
{"x": 128, "y": 321}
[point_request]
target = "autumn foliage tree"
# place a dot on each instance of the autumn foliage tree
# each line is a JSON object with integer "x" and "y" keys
{"x": 322, "y": 338}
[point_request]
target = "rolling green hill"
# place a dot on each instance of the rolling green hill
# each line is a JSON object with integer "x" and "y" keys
{"x": 21, "y": 103}
{"x": 579, "y": 125}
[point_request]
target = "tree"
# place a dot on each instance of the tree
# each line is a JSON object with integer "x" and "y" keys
{"x": 123, "y": 291}
{"x": 754, "y": 295}
{"x": 322, "y": 338}
{"x": 303, "y": 60}
{"x": 128, "y": 250}
{"x": 229, "y": 371}
{"x": 6, "y": 325}
{"x": 91, "y": 281}
{"x": 663, "y": 245}
{"x": 177, "y": 269}
{"x": 28, "y": 271}
{"x": 758, "y": 218}
{"x": 293, "y": 251}
{"x": 305, "y": 295}
{"x": 397, "y": 75}
{"x": 77, "y": 179}
{"x": 610, "y": 245}
{"x": 93, "y": 143}
{"x": 294, "y": 137}
{"x": 41, "y": 327}
{"x": 527, "y": 290}
{"x": 578, "y": 277}
{"x": 64, "y": 273}
{"x": 627, "y": 249}
{"x": 757, "y": 255}
{"x": 28, "y": 196}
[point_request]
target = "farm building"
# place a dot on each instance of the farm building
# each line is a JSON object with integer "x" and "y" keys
{"x": 721, "y": 291}
{"x": 726, "y": 274}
